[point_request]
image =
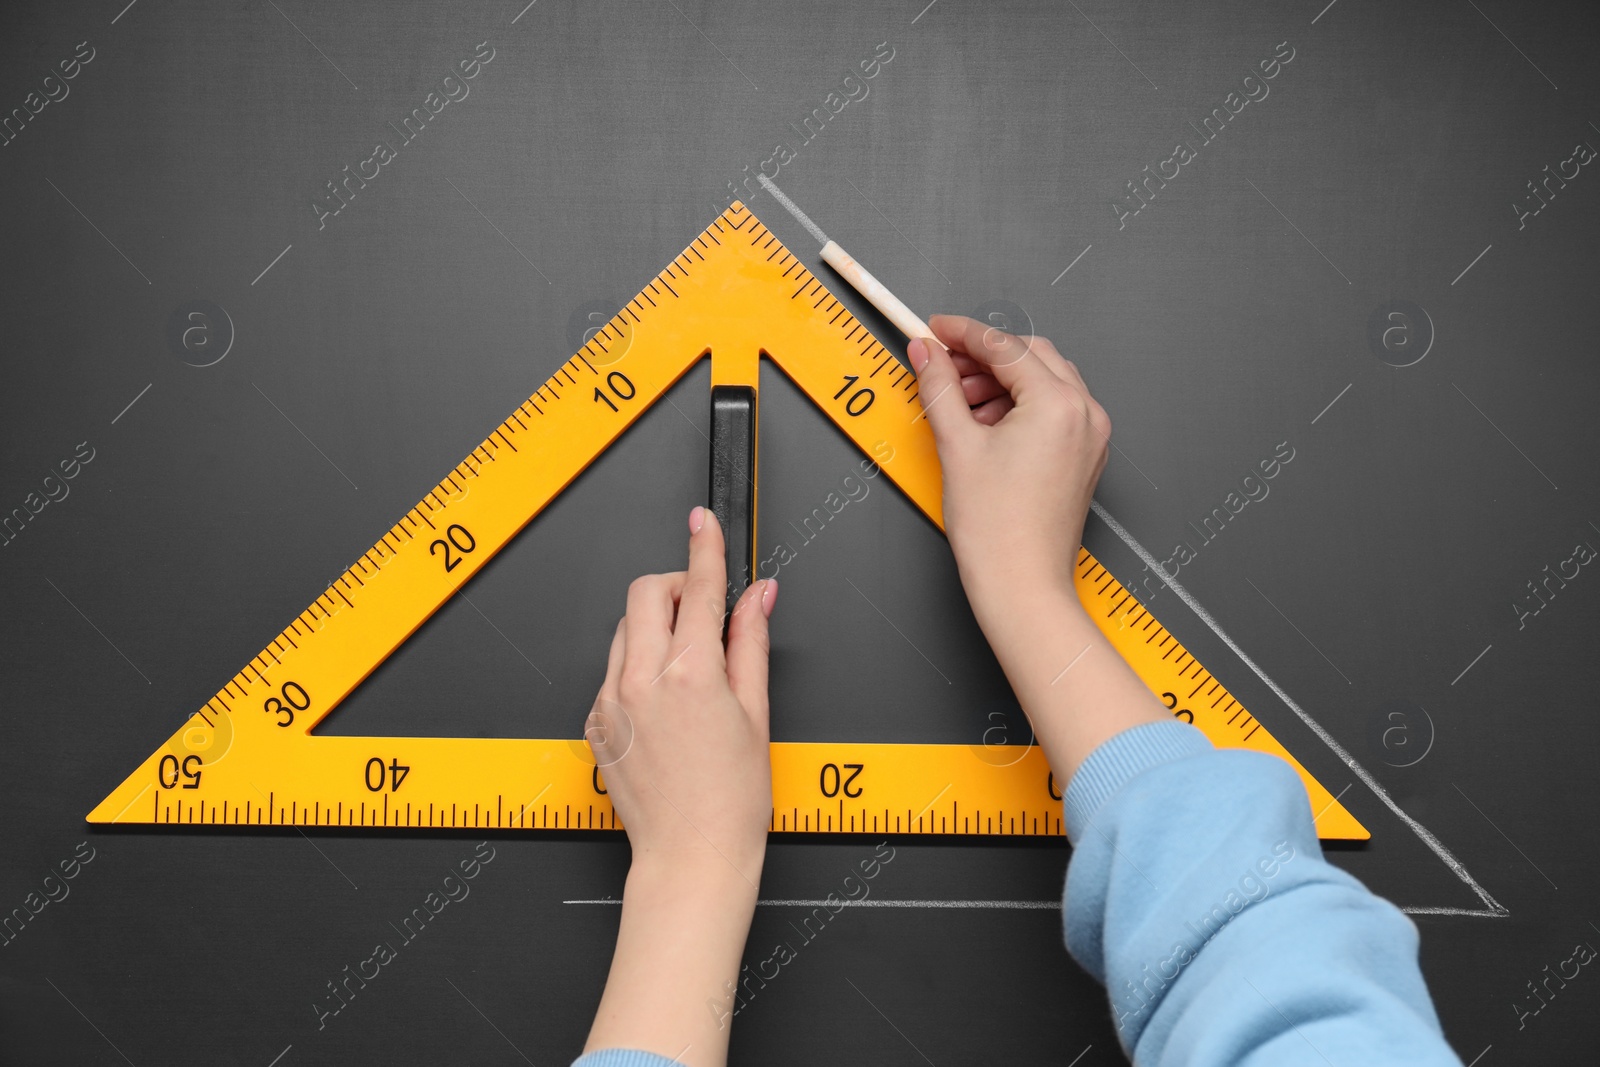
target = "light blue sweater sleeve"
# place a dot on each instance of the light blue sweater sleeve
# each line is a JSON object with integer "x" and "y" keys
{"x": 1198, "y": 894}
{"x": 623, "y": 1057}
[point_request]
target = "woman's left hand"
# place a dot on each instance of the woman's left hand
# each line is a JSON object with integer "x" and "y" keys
{"x": 679, "y": 729}
{"x": 679, "y": 732}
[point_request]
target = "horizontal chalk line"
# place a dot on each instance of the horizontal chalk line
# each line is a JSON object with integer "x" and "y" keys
{"x": 995, "y": 905}
{"x": 1014, "y": 905}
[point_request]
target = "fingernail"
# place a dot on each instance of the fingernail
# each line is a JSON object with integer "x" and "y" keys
{"x": 769, "y": 596}
{"x": 697, "y": 519}
{"x": 917, "y": 352}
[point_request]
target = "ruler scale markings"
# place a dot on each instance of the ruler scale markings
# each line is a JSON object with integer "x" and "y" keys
{"x": 727, "y": 301}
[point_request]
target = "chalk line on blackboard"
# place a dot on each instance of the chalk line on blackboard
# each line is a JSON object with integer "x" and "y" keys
{"x": 1006, "y": 905}
{"x": 1000, "y": 905}
{"x": 1496, "y": 909}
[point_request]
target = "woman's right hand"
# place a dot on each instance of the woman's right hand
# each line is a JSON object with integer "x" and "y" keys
{"x": 1022, "y": 444}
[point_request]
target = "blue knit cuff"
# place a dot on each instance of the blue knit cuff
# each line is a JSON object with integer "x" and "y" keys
{"x": 622, "y": 1057}
{"x": 1117, "y": 760}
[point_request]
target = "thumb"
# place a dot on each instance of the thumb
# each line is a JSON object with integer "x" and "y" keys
{"x": 937, "y": 378}
{"x": 748, "y": 647}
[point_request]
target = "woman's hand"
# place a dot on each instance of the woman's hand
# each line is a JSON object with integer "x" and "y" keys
{"x": 1022, "y": 444}
{"x": 679, "y": 729}
{"x": 679, "y": 732}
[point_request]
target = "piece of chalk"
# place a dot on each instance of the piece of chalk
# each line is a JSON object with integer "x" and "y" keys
{"x": 905, "y": 320}
{"x": 858, "y": 276}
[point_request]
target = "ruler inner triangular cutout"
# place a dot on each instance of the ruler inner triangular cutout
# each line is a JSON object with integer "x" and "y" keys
{"x": 248, "y": 756}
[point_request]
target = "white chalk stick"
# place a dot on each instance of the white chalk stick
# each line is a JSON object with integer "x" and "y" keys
{"x": 875, "y": 291}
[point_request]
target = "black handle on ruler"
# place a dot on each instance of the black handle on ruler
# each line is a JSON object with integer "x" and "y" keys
{"x": 733, "y": 479}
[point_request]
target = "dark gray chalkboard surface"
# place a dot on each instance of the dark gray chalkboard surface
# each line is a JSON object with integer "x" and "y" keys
{"x": 1382, "y": 258}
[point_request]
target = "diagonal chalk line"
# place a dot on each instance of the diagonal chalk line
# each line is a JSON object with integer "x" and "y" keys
{"x": 794, "y": 209}
{"x": 1492, "y": 907}
{"x": 1074, "y": 263}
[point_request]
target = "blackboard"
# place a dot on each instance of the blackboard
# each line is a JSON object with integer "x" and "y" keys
{"x": 1361, "y": 232}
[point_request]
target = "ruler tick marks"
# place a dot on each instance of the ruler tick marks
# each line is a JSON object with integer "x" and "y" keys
{"x": 511, "y": 483}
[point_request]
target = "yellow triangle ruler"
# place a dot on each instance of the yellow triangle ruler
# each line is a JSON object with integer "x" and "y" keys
{"x": 248, "y": 757}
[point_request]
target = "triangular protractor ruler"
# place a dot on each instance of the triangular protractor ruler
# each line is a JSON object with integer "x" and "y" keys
{"x": 248, "y": 757}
